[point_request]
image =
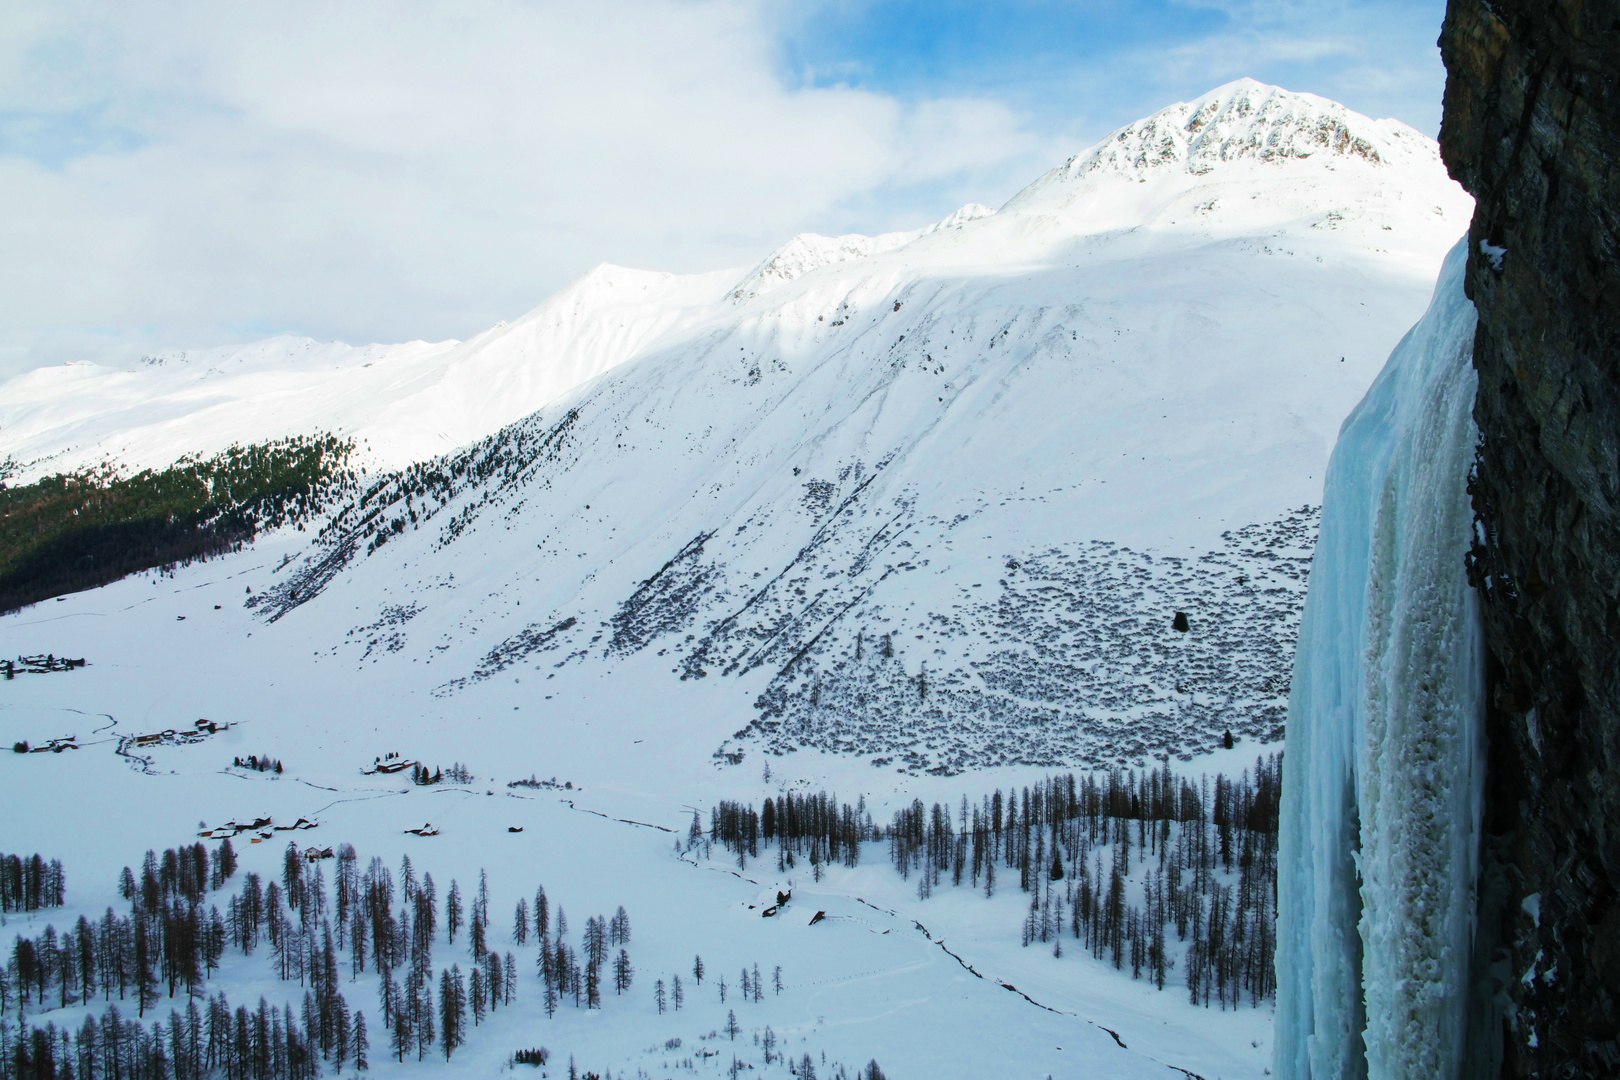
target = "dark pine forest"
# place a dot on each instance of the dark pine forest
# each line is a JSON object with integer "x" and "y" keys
{"x": 84, "y": 529}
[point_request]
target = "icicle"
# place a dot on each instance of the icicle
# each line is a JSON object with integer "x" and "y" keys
{"x": 1380, "y": 803}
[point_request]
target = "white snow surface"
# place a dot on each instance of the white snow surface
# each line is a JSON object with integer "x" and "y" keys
{"x": 1382, "y": 779}
{"x": 901, "y": 520}
{"x": 810, "y": 251}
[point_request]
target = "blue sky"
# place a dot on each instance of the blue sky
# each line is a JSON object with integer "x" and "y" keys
{"x": 187, "y": 173}
{"x": 1076, "y": 65}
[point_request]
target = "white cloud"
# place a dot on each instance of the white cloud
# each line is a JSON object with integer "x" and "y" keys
{"x": 178, "y": 174}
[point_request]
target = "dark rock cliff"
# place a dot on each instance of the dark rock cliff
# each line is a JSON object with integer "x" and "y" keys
{"x": 1532, "y": 128}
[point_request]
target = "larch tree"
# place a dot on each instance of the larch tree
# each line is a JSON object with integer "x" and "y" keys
{"x": 623, "y": 973}
{"x": 452, "y": 910}
{"x": 361, "y": 1043}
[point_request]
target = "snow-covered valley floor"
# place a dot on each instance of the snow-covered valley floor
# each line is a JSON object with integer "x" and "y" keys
{"x": 868, "y": 982}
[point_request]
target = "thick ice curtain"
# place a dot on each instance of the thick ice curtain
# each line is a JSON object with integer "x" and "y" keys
{"x": 1381, "y": 779}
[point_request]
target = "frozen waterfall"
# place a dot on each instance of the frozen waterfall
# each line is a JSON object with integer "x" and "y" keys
{"x": 1383, "y": 770}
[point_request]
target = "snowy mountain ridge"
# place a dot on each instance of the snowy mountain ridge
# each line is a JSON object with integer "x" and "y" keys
{"x": 1248, "y": 120}
{"x": 403, "y": 402}
{"x": 810, "y": 251}
{"x": 1250, "y": 157}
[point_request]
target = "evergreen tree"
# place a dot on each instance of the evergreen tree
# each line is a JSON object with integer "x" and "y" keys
{"x": 623, "y": 973}
{"x": 451, "y": 1011}
{"x": 452, "y": 911}
{"x": 361, "y": 1043}
{"x": 593, "y": 985}
{"x": 576, "y": 981}
{"x": 402, "y": 1036}
{"x": 423, "y": 999}
{"x": 493, "y": 978}
{"x": 596, "y": 940}
{"x": 475, "y": 934}
{"x": 427, "y": 906}
{"x": 227, "y": 861}
{"x": 549, "y": 999}
{"x": 475, "y": 992}
{"x": 407, "y": 879}
{"x": 146, "y": 982}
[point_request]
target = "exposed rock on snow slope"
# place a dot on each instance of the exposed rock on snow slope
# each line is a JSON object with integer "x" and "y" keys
{"x": 936, "y": 504}
{"x": 403, "y": 402}
{"x": 1381, "y": 792}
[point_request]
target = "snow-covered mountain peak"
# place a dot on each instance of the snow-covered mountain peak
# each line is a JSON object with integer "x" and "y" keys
{"x": 971, "y": 212}
{"x": 1248, "y": 134}
{"x": 1247, "y": 121}
{"x": 625, "y": 284}
{"x": 1248, "y": 159}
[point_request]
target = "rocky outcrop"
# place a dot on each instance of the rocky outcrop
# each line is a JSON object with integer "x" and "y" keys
{"x": 1532, "y": 128}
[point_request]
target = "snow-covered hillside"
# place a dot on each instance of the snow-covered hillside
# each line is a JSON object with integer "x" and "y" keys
{"x": 402, "y": 402}
{"x": 906, "y": 516}
{"x": 912, "y": 502}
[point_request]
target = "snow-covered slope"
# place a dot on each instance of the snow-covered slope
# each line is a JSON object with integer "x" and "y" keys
{"x": 402, "y": 402}
{"x": 914, "y": 500}
{"x": 809, "y": 251}
{"x": 907, "y": 520}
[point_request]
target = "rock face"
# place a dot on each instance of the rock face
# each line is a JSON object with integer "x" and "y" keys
{"x": 1532, "y": 128}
